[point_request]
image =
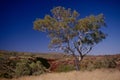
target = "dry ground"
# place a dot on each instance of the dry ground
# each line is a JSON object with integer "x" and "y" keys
{"x": 102, "y": 74}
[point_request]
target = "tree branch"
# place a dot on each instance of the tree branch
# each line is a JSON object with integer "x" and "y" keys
{"x": 80, "y": 53}
{"x": 87, "y": 51}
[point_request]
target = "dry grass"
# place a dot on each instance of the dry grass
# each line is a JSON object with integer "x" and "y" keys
{"x": 82, "y": 75}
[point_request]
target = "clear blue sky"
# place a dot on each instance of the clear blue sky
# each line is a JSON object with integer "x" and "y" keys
{"x": 17, "y": 16}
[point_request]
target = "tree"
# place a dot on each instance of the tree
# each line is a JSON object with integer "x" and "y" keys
{"x": 71, "y": 34}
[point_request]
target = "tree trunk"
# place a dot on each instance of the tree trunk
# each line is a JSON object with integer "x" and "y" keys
{"x": 77, "y": 65}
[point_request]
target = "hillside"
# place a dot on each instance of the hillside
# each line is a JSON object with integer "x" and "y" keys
{"x": 12, "y": 63}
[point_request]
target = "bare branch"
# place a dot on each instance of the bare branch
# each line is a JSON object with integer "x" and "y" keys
{"x": 87, "y": 51}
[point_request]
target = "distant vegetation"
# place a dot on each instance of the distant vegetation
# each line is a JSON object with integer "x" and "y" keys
{"x": 17, "y": 64}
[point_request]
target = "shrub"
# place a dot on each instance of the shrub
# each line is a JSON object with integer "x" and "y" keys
{"x": 43, "y": 61}
{"x": 64, "y": 68}
{"x": 28, "y": 67}
{"x": 97, "y": 64}
{"x": 37, "y": 68}
{"x": 22, "y": 68}
{"x": 105, "y": 63}
{"x": 87, "y": 65}
{"x": 6, "y": 68}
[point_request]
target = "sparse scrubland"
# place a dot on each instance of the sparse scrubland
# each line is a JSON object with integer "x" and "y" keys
{"x": 28, "y": 66}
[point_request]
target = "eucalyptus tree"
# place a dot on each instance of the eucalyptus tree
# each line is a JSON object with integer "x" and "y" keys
{"x": 70, "y": 33}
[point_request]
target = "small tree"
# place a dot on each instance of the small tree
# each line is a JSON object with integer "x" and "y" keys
{"x": 69, "y": 33}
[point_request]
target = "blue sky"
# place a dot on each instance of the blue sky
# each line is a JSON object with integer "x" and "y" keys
{"x": 17, "y": 16}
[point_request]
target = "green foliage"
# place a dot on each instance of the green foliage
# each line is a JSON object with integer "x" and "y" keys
{"x": 64, "y": 68}
{"x": 27, "y": 67}
{"x": 105, "y": 63}
{"x": 37, "y": 68}
{"x": 64, "y": 25}
{"x": 44, "y": 62}
{"x": 11, "y": 67}
{"x": 22, "y": 68}
{"x": 97, "y": 64}
{"x": 7, "y": 68}
{"x": 87, "y": 65}
{"x": 71, "y": 34}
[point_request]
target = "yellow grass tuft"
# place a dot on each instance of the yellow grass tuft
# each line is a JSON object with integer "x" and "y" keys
{"x": 102, "y": 74}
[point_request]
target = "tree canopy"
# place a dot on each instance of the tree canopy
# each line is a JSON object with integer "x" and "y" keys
{"x": 70, "y": 33}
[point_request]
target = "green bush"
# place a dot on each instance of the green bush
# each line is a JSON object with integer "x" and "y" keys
{"x": 6, "y": 68}
{"x": 105, "y": 63}
{"x": 27, "y": 67}
{"x": 87, "y": 65}
{"x": 43, "y": 61}
{"x": 37, "y": 68}
{"x": 97, "y": 64}
{"x": 65, "y": 68}
{"x": 22, "y": 68}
